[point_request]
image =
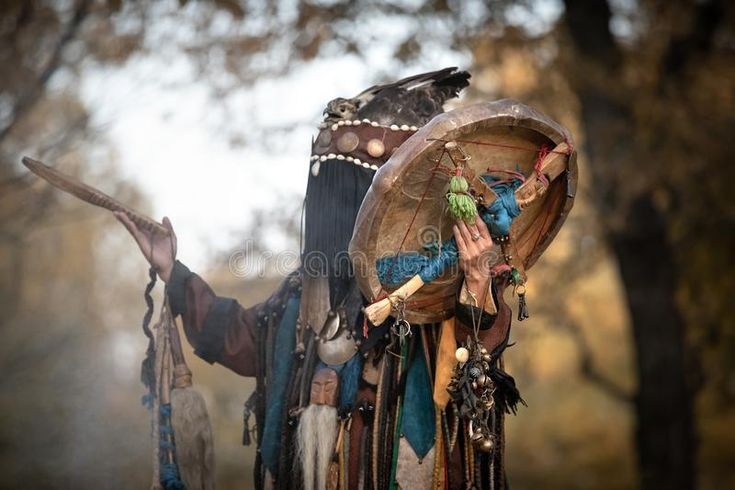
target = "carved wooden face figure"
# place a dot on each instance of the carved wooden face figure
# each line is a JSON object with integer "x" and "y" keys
{"x": 325, "y": 388}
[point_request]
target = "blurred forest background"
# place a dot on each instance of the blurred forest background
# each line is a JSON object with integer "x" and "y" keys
{"x": 628, "y": 360}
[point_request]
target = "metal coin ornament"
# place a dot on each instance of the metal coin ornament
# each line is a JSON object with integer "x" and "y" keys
{"x": 348, "y": 142}
{"x": 472, "y": 389}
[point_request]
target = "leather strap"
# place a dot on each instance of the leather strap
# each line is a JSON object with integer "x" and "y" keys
{"x": 361, "y": 143}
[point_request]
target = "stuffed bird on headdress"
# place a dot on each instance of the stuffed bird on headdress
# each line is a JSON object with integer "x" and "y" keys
{"x": 413, "y": 101}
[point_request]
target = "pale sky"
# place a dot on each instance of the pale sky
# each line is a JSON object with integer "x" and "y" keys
{"x": 173, "y": 137}
{"x": 173, "y": 140}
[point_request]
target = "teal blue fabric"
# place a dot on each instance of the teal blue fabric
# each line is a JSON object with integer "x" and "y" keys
{"x": 278, "y": 384}
{"x": 417, "y": 425}
{"x": 349, "y": 381}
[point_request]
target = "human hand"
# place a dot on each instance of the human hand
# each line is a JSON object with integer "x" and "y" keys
{"x": 475, "y": 255}
{"x": 158, "y": 249}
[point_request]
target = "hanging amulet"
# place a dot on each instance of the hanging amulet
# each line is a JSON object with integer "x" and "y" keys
{"x": 462, "y": 355}
{"x": 522, "y": 306}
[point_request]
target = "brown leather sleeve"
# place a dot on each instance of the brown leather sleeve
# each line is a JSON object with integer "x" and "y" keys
{"x": 219, "y": 329}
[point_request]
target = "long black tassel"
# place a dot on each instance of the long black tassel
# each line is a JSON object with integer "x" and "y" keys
{"x": 147, "y": 369}
{"x": 506, "y": 394}
{"x": 333, "y": 198}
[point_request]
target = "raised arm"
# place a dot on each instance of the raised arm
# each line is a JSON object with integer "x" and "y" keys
{"x": 219, "y": 329}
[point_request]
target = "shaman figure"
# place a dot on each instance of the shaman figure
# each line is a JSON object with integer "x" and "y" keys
{"x": 415, "y": 400}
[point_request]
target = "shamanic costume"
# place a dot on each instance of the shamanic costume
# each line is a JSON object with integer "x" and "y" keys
{"x": 417, "y": 400}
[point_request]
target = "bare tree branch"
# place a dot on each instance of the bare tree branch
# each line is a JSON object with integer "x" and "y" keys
{"x": 26, "y": 100}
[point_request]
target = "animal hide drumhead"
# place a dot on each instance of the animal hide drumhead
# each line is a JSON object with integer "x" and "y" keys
{"x": 404, "y": 210}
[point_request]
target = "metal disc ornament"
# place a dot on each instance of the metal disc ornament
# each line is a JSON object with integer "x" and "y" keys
{"x": 338, "y": 350}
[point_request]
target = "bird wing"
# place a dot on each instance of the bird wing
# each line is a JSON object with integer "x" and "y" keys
{"x": 408, "y": 83}
{"x": 414, "y": 100}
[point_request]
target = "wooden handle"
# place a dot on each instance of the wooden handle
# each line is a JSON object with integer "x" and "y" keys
{"x": 181, "y": 373}
{"x": 378, "y": 312}
{"x": 553, "y": 165}
{"x": 91, "y": 195}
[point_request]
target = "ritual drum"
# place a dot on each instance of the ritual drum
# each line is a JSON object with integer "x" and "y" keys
{"x": 403, "y": 224}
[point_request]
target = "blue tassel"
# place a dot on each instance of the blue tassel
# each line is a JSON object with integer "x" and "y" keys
{"x": 170, "y": 477}
{"x": 169, "y": 471}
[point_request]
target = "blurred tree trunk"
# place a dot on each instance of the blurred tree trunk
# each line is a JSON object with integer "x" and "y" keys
{"x": 665, "y": 432}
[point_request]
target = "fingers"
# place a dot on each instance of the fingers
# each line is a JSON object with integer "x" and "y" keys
{"x": 482, "y": 228}
{"x": 474, "y": 231}
{"x": 461, "y": 245}
{"x": 174, "y": 242}
{"x": 467, "y": 236}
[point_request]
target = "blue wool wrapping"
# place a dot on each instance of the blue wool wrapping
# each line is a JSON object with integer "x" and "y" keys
{"x": 169, "y": 471}
{"x": 406, "y": 265}
{"x": 278, "y": 384}
{"x": 500, "y": 214}
{"x": 165, "y": 410}
{"x": 147, "y": 401}
{"x": 170, "y": 477}
{"x": 396, "y": 270}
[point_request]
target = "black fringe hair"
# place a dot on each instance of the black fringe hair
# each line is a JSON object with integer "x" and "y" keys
{"x": 333, "y": 199}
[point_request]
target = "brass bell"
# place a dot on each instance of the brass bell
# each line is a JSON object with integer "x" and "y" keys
{"x": 486, "y": 445}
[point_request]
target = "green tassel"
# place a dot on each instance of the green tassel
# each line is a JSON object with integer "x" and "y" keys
{"x": 458, "y": 184}
{"x": 461, "y": 204}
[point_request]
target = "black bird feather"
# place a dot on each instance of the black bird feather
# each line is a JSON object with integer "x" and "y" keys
{"x": 413, "y": 101}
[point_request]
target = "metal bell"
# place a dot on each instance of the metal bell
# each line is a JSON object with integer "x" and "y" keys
{"x": 486, "y": 445}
